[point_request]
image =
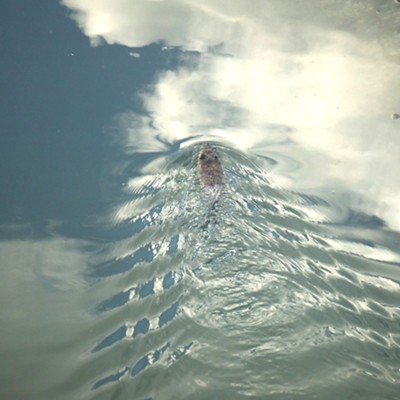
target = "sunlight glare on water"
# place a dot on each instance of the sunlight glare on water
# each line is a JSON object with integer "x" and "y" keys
{"x": 282, "y": 282}
{"x": 264, "y": 294}
{"x": 289, "y": 287}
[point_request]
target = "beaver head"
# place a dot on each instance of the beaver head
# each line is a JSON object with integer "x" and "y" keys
{"x": 210, "y": 168}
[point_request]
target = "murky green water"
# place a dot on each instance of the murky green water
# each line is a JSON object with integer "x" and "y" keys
{"x": 119, "y": 282}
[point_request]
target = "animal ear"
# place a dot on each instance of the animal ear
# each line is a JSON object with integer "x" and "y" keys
{"x": 202, "y": 156}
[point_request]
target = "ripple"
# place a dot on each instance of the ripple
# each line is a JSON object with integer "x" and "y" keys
{"x": 266, "y": 282}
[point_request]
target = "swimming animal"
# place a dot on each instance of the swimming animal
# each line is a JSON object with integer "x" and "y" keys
{"x": 211, "y": 173}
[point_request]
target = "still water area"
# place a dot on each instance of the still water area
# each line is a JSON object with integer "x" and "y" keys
{"x": 284, "y": 283}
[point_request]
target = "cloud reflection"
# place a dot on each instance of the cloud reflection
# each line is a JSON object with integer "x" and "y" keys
{"x": 311, "y": 83}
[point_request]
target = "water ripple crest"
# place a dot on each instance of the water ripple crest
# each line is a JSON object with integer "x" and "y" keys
{"x": 268, "y": 293}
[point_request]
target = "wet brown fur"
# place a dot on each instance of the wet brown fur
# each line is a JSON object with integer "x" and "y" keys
{"x": 210, "y": 168}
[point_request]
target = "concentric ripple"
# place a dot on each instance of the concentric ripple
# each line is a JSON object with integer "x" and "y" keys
{"x": 265, "y": 296}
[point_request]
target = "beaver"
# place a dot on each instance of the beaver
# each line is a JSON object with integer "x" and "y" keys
{"x": 211, "y": 173}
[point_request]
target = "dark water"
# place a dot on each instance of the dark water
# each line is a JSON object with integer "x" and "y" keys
{"x": 119, "y": 281}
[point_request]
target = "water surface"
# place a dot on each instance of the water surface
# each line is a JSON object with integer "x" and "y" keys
{"x": 119, "y": 281}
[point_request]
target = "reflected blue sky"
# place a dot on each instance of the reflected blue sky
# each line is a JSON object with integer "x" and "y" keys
{"x": 100, "y": 238}
{"x": 61, "y": 95}
{"x": 314, "y": 82}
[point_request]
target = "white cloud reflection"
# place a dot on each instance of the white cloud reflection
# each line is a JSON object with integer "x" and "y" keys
{"x": 311, "y": 82}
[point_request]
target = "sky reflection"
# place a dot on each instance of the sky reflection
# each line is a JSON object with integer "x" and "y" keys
{"x": 312, "y": 82}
